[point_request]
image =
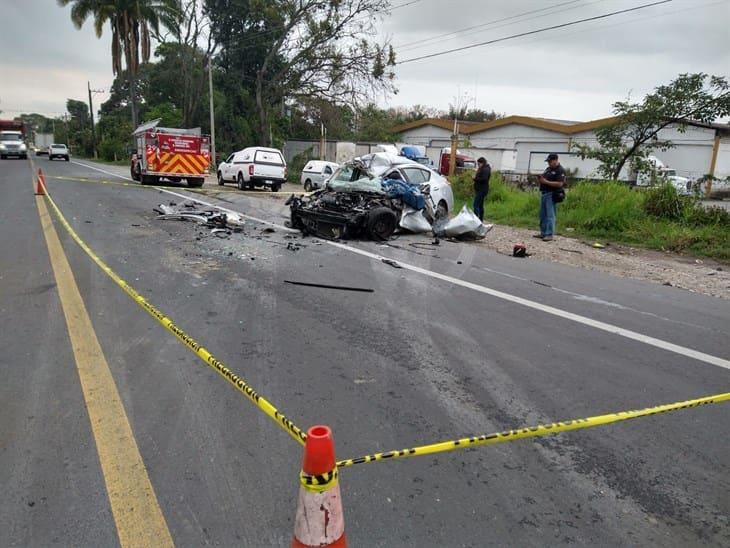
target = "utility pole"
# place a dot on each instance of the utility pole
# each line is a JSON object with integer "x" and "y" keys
{"x": 322, "y": 141}
{"x": 454, "y": 142}
{"x": 212, "y": 114}
{"x": 91, "y": 114}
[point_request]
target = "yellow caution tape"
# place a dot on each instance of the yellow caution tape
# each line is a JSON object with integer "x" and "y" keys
{"x": 320, "y": 482}
{"x": 200, "y": 351}
{"x": 534, "y": 431}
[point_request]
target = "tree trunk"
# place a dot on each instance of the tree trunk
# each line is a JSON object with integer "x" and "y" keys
{"x": 263, "y": 113}
{"x": 132, "y": 98}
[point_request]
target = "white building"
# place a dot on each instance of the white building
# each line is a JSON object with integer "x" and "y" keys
{"x": 519, "y": 144}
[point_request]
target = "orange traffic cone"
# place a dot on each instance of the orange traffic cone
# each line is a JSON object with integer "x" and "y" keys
{"x": 40, "y": 187}
{"x": 319, "y": 520}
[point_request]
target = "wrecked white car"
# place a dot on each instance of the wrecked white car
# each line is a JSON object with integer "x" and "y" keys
{"x": 357, "y": 202}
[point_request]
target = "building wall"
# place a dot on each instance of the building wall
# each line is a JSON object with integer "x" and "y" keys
{"x": 690, "y": 157}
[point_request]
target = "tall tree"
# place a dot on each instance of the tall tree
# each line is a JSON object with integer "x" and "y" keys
{"x": 304, "y": 49}
{"x": 133, "y": 23}
{"x": 635, "y": 132}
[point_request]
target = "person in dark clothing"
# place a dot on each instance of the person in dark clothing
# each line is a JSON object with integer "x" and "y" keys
{"x": 481, "y": 186}
{"x": 552, "y": 178}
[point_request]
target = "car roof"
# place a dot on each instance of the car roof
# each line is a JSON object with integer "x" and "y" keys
{"x": 379, "y": 162}
{"x": 265, "y": 149}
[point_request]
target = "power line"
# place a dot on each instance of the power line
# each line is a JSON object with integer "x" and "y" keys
{"x": 459, "y": 31}
{"x": 554, "y": 27}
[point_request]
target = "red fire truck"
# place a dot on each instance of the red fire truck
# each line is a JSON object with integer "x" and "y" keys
{"x": 170, "y": 153}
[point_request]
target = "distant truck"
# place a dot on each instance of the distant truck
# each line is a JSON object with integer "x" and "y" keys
{"x": 659, "y": 172}
{"x": 12, "y": 139}
{"x": 42, "y": 141}
{"x": 416, "y": 153}
{"x": 170, "y": 153}
{"x": 463, "y": 162}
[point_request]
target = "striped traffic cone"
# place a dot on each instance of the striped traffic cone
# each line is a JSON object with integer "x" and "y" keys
{"x": 319, "y": 520}
{"x": 40, "y": 187}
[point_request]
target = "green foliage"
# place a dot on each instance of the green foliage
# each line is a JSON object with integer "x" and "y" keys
{"x": 295, "y": 167}
{"x": 664, "y": 202}
{"x": 634, "y": 135}
{"x": 656, "y": 219}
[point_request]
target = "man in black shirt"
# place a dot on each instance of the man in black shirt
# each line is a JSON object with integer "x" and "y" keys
{"x": 481, "y": 186}
{"x": 552, "y": 178}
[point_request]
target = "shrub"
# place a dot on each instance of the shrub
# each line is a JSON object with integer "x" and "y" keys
{"x": 600, "y": 207}
{"x": 664, "y": 202}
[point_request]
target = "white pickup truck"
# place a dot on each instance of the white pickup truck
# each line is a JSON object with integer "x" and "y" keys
{"x": 660, "y": 172}
{"x": 11, "y": 144}
{"x": 254, "y": 167}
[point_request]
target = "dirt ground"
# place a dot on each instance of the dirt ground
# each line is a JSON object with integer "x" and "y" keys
{"x": 697, "y": 275}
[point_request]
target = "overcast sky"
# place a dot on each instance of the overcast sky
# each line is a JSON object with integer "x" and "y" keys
{"x": 573, "y": 73}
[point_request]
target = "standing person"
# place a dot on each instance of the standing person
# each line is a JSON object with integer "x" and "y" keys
{"x": 481, "y": 186}
{"x": 551, "y": 179}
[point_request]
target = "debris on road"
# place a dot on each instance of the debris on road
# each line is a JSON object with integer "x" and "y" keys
{"x": 465, "y": 226}
{"x": 211, "y": 218}
{"x": 391, "y": 262}
{"x": 326, "y": 286}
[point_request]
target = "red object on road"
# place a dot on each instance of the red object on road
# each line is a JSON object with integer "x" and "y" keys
{"x": 319, "y": 520}
{"x": 40, "y": 186}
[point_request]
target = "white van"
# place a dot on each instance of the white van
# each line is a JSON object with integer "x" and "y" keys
{"x": 254, "y": 167}
{"x": 316, "y": 172}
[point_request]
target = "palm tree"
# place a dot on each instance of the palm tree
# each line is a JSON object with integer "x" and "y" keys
{"x": 132, "y": 23}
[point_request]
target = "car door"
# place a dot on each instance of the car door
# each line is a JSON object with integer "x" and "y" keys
{"x": 227, "y": 168}
{"x": 326, "y": 174}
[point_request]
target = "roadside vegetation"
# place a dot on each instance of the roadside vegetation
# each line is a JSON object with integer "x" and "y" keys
{"x": 656, "y": 218}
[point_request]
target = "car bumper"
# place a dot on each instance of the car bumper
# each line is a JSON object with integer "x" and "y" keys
{"x": 266, "y": 181}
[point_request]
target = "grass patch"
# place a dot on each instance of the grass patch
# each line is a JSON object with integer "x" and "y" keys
{"x": 656, "y": 219}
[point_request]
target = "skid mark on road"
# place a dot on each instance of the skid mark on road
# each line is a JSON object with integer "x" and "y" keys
{"x": 137, "y": 514}
{"x": 564, "y": 314}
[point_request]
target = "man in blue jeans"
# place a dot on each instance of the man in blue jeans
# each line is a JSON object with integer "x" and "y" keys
{"x": 551, "y": 179}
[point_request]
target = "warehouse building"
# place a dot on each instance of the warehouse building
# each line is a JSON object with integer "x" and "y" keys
{"x": 519, "y": 144}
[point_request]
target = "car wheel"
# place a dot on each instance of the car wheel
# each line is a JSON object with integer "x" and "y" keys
{"x": 67, "y": 158}
{"x": 221, "y": 182}
{"x": 382, "y": 223}
{"x": 195, "y": 182}
{"x": 442, "y": 210}
{"x": 241, "y": 184}
{"x": 308, "y": 185}
{"x": 2, "y": 156}
{"x": 275, "y": 187}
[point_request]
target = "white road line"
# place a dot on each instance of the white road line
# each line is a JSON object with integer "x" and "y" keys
{"x": 609, "y": 328}
{"x": 102, "y": 170}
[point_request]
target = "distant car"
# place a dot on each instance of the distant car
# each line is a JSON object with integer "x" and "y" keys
{"x": 57, "y": 150}
{"x": 254, "y": 167}
{"x": 316, "y": 172}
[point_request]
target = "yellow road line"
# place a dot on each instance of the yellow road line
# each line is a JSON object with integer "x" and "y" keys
{"x": 137, "y": 513}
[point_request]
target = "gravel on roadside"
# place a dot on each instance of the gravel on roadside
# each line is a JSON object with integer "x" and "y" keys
{"x": 703, "y": 276}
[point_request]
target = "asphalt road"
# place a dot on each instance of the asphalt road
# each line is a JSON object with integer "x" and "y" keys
{"x": 418, "y": 360}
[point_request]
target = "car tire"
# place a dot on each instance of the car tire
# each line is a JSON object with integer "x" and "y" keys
{"x": 276, "y": 187}
{"x": 241, "y": 184}
{"x": 381, "y": 223}
{"x": 308, "y": 185}
{"x": 135, "y": 172}
{"x": 221, "y": 182}
{"x": 195, "y": 182}
{"x": 442, "y": 210}
{"x": 2, "y": 156}
{"x": 67, "y": 158}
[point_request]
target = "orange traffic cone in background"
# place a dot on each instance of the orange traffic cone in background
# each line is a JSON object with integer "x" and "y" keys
{"x": 40, "y": 187}
{"x": 319, "y": 520}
